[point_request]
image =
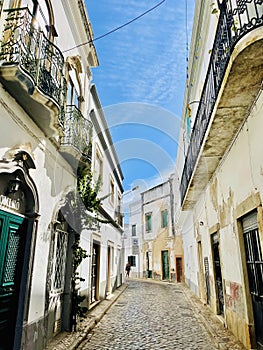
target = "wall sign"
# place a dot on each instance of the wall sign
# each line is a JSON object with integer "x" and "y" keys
{"x": 9, "y": 203}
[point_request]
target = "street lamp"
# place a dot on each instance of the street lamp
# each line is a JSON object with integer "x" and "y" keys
{"x": 133, "y": 189}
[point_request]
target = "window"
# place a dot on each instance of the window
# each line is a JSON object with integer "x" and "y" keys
{"x": 112, "y": 259}
{"x": 119, "y": 214}
{"x": 72, "y": 94}
{"x": 119, "y": 202}
{"x": 132, "y": 260}
{"x": 148, "y": 222}
{"x": 165, "y": 218}
{"x": 59, "y": 258}
{"x": 98, "y": 166}
{"x": 254, "y": 256}
{"x": 133, "y": 230}
{"x": 43, "y": 12}
{"x": 112, "y": 191}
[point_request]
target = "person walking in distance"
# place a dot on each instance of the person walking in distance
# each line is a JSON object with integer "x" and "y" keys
{"x": 128, "y": 269}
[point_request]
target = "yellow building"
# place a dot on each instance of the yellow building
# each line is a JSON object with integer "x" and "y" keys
{"x": 162, "y": 252}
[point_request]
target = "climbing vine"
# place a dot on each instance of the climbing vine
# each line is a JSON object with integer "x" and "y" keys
{"x": 78, "y": 255}
{"x": 85, "y": 205}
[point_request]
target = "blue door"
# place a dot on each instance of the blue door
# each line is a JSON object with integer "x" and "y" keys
{"x": 12, "y": 238}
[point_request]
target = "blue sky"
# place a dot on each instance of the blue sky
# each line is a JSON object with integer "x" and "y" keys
{"x": 141, "y": 81}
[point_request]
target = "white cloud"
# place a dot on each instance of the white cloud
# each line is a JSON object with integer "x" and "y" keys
{"x": 143, "y": 64}
{"x": 146, "y": 60}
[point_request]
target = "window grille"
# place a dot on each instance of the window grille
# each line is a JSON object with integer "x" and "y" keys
{"x": 254, "y": 261}
{"x": 60, "y": 251}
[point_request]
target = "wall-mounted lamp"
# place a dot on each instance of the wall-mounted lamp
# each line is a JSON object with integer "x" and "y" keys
{"x": 201, "y": 223}
{"x": 14, "y": 185}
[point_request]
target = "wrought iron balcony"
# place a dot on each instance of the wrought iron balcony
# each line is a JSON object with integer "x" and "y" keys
{"x": 225, "y": 98}
{"x": 75, "y": 144}
{"x": 31, "y": 69}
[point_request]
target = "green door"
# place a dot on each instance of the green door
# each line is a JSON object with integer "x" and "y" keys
{"x": 165, "y": 262}
{"x": 12, "y": 240}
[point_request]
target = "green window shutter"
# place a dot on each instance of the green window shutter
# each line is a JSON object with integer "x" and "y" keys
{"x": 165, "y": 218}
{"x": 148, "y": 219}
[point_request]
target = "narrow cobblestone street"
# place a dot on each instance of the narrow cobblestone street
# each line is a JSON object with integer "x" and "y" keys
{"x": 149, "y": 316}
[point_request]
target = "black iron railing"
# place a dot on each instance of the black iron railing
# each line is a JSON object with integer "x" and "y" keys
{"x": 236, "y": 18}
{"x": 26, "y": 46}
{"x": 76, "y": 130}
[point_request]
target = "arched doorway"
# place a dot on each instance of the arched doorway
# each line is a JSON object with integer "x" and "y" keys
{"x": 59, "y": 282}
{"x": 18, "y": 208}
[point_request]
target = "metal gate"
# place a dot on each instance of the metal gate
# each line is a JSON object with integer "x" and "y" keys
{"x": 254, "y": 262}
{"x": 12, "y": 239}
{"x": 207, "y": 280}
{"x": 218, "y": 274}
{"x": 94, "y": 274}
{"x": 58, "y": 275}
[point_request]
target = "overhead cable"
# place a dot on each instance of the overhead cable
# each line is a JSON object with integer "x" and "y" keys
{"x": 117, "y": 28}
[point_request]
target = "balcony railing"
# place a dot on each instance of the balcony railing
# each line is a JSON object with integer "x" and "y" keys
{"x": 77, "y": 132}
{"x": 236, "y": 19}
{"x": 36, "y": 62}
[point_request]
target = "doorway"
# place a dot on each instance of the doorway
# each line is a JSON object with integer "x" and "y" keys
{"x": 254, "y": 263}
{"x": 108, "y": 290}
{"x": 218, "y": 275}
{"x": 12, "y": 247}
{"x": 94, "y": 273}
{"x": 57, "y": 293}
{"x": 148, "y": 264}
{"x": 165, "y": 265}
{"x": 179, "y": 269}
{"x": 18, "y": 215}
{"x": 207, "y": 280}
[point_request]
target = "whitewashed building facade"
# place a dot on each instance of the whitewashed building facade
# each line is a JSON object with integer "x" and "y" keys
{"x": 220, "y": 165}
{"x": 133, "y": 239}
{"x": 152, "y": 242}
{"x": 162, "y": 250}
{"x": 105, "y": 265}
{"x": 45, "y": 136}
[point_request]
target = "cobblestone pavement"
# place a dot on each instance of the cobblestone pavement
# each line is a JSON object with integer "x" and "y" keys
{"x": 149, "y": 316}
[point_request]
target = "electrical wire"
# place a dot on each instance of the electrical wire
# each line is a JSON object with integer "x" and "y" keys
{"x": 117, "y": 28}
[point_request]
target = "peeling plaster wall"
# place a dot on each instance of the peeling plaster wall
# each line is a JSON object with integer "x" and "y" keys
{"x": 216, "y": 204}
{"x": 235, "y": 189}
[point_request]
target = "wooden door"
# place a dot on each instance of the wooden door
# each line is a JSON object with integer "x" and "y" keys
{"x": 179, "y": 269}
{"x": 12, "y": 242}
{"x": 165, "y": 263}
